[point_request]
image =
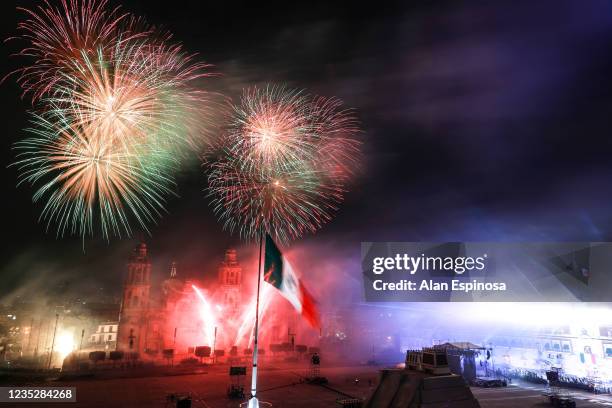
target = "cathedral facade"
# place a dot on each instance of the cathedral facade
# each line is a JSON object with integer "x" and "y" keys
{"x": 136, "y": 310}
{"x": 230, "y": 281}
{"x": 154, "y": 319}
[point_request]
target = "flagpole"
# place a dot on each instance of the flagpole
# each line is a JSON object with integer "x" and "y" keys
{"x": 253, "y": 402}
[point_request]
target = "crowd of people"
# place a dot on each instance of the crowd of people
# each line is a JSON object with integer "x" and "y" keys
{"x": 581, "y": 383}
{"x": 563, "y": 380}
{"x": 521, "y": 374}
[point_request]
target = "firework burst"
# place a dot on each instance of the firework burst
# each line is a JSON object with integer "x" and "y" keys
{"x": 58, "y": 35}
{"x": 141, "y": 94}
{"x": 287, "y": 202}
{"x": 339, "y": 150}
{"x": 82, "y": 179}
{"x": 270, "y": 128}
{"x": 284, "y": 164}
{"x": 116, "y": 110}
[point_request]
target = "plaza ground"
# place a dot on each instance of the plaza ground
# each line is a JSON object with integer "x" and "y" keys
{"x": 281, "y": 385}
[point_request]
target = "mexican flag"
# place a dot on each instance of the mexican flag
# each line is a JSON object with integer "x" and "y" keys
{"x": 279, "y": 273}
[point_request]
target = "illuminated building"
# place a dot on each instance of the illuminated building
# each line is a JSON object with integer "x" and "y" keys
{"x": 152, "y": 320}
{"x": 134, "y": 315}
{"x": 230, "y": 281}
{"x": 105, "y": 336}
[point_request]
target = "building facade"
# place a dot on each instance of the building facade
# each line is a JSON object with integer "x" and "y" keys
{"x": 135, "y": 313}
{"x": 230, "y": 283}
{"x": 153, "y": 319}
{"x": 105, "y": 337}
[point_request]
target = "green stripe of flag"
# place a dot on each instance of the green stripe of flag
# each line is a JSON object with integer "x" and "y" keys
{"x": 273, "y": 265}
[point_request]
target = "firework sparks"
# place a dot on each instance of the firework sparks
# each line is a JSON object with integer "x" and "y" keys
{"x": 290, "y": 201}
{"x": 116, "y": 110}
{"x": 58, "y": 35}
{"x": 248, "y": 319}
{"x": 340, "y": 150}
{"x": 284, "y": 164}
{"x": 142, "y": 94}
{"x": 208, "y": 317}
{"x": 271, "y": 129}
{"x": 79, "y": 172}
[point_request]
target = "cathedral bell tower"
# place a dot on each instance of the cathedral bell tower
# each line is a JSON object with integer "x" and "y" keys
{"x": 135, "y": 302}
{"x": 230, "y": 280}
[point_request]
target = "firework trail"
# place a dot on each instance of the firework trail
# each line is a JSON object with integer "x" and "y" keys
{"x": 248, "y": 319}
{"x": 208, "y": 317}
{"x": 116, "y": 111}
{"x": 265, "y": 303}
{"x": 284, "y": 164}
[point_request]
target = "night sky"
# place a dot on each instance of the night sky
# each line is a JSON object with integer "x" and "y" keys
{"x": 486, "y": 123}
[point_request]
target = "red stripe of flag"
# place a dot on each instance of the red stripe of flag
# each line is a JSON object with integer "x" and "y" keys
{"x": 309, "y": 308}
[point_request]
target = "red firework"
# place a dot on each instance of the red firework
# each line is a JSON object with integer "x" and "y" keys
{"x": 57, "y": 36}
{"x": 285, "y": 164}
